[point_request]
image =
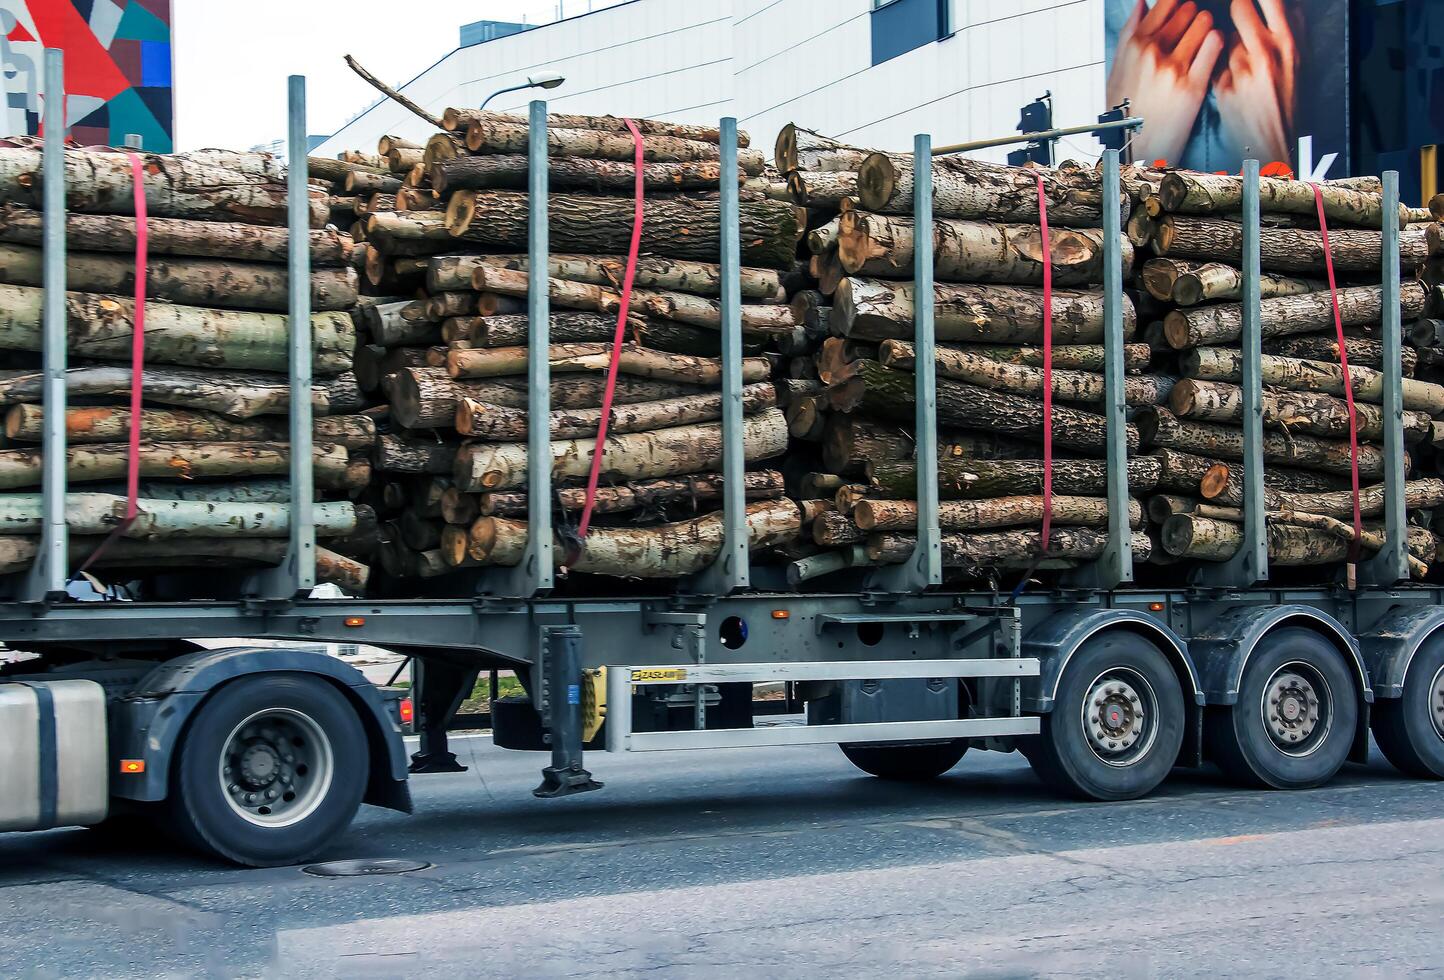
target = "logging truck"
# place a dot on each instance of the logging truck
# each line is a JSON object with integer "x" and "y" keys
{"x": 262, "y": 755}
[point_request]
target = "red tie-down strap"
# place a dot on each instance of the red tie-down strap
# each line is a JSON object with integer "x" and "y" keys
{"x": 1047, "y": 368}
{"x": 1348, "y": 383}
{"x": 137, "y": 364}
{"x": 618, "y": 338}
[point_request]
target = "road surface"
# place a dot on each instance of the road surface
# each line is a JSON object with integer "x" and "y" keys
{"x": 775, "y": 863}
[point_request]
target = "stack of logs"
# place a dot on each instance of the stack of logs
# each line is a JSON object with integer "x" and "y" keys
{"x": 989, "y": 323}
{"x": 445, "y": 345}
{"x": 1192, "y": 284}
{"x": 214, "y": 450}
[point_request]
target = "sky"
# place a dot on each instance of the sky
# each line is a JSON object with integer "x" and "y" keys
{"x": 232, "y": 58}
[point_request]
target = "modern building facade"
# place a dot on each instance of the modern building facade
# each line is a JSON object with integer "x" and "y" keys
{"x": 875, "y": 72}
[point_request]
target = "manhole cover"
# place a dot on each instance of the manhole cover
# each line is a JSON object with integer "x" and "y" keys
{"x": 350, "y": 869}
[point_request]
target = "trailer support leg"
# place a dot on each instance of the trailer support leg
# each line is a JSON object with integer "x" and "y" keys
{"x": 562, "y": 668}
{"x": 440, "y": 689}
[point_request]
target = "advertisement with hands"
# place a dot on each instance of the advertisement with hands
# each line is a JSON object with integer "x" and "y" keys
{"x": 1221, "y": 81}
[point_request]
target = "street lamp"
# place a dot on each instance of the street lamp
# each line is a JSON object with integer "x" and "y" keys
{"x": 544, "y": 80}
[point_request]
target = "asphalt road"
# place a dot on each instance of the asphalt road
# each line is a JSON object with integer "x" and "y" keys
{"x": 772, "y": 863}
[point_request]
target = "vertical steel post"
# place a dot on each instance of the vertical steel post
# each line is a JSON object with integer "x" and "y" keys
{"x": 562, "y": 653}
{"x": 1250, "y": 564}
{"x": 535, "y": 573}
{"x": 296, "y": 575}
{"x": 619, "y": 708}
{"x": 925, "y": 567}
{"x": 731, "y": 570}
{"x": 1115, "y": 566}
{"x": 1391, "y": 564}
{"x": 47, "y": 577}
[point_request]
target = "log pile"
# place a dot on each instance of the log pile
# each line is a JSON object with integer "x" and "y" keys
{"x": 1190, "y": 280}
{"x": 444, "y": 244}
{"x": 214, "y": 451}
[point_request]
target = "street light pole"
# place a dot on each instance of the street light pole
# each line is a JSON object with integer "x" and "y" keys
{"x": 547, "y": 80}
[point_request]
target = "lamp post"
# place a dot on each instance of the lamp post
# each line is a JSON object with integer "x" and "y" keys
{"x": 545, "y": 80}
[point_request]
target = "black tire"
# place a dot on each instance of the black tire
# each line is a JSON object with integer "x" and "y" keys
{"x": 1239, "y": 736}
{"x": 908, "y": 762}
{"x": 1074, "y": 753}
{"x": 201, "y": 806}
{"x": 1410, "y": 729}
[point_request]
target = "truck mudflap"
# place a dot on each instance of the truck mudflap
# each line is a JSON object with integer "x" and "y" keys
{"x": 1390, "y": 646}
{"x": 147, "y": 725}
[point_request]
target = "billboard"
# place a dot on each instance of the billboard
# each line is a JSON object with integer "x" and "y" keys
{"x": 1221, "y": 81}
{"x": 117, "y": 68}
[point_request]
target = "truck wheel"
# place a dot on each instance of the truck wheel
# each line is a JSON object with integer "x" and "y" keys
{"x": 1294, "y": 720}
{"x": 1117, "y": 721}
{"x": 271, "y": 770}
{"x": 905, "y": 762}
{"x": 1410, "y": 730}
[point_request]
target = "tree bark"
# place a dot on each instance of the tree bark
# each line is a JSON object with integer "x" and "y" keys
{"x": 849, "y": 443}
{"x": 489, "y": 137}
{"x": 495, "y": 423}
{"x": 1190, "y": 283}
{"x": 454, "y": 120}
{"x": 875, "y": 309}
{"x": 1073, "y": 357}
{"x": 1022, "y": 379}
{"x": 398, "y": 454}
{"x": 1362, "y": 352}
{"x": 186, "y": 461}
{"x": 972, "y": 251}
{"x": 505, "y": 171}
{"x": 832, "y": 529}
{"x": 971, "y": 515}
{"x": 633, "y": 456}
{"x": 1204, "y": 539}
{"x": 1283, "y": 249}
{"x": 1003, "y": 549}
{"x": 174, "y": 236}
{"x": 804, "y": 149}
{"x": 17, "y": 554}
{"x": 631, "y": 360}
{"x": 1283, "y": 315}
{"x": 23, "y": 423}
{"x": 101, "y": 183}
{"x": 1306, "y": 412}
{"x": 1159, "y": 427}
{"x": 99, "y": 326}
{"x": 197, "y": 282}
{"x": 1202, "y": 193}
{"x": 974, "y": 479}
{"x": 973, "y": 189}
{"x": 652, "y": 272}
{"x": 1226, "y": 364}
{"x": 821, "y": 188}
{"x": 886, "y": 393}
{"x": 665, "y": 551}
{"x": 362, "y": 182}
{"x": 102, "y": 513}
{"x": 688, "y": 229}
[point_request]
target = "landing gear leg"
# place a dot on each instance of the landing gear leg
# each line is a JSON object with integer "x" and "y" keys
{"x": 440, "y": 689}
{"x": 562, "y": 713}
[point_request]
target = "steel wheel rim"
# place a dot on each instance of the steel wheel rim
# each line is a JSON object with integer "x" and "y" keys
{"x": 1120, "y": 717}
{"x": 1297, "y": 708}
{"x": 276, "y": 767}
{"x": 1436, "y": 702}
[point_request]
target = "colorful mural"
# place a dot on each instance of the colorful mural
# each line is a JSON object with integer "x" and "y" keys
{"x": 117, "y": 68}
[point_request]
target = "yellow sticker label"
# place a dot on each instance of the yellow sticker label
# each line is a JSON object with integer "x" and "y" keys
{"x": 655, "y": 674}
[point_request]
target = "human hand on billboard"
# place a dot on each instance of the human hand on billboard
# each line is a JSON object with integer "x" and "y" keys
{"x": 1256, "y": 88}
{"x": 1163, "y": 64}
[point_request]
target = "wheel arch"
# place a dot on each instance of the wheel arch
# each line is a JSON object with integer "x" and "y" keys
{"x": 1222, "y": 652}
{"x": 1390, "y": 647}
{"x": 149, "y": 723}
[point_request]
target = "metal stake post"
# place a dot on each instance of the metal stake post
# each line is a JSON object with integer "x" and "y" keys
{"x": 535, "y": 573}
{"x": 1391, "y": 564}
{"x": 1250, "y": 564}
{"x": 47, "y": 576}
{"x": 1115, "y": 566}
{"x": 296, "y": 575}
{"x": 924, "y": 567}
{"x": 731, "y": 570}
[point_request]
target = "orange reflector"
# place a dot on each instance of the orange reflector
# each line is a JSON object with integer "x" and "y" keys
{"x": 406, "y": 710}
{"x": 355, "y": 621}
{"x": 1155, "y": 607}
{"x": 132, "y": 766}
{"x": 781, "y": 614}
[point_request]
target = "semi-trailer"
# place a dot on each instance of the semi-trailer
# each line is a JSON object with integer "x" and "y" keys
{"x": 262, "y": 755}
